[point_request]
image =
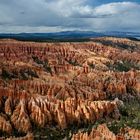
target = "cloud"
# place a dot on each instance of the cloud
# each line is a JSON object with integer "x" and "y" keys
{"x": 118, "y": 8}
{"x": 104, "y": 10}
{"x": 122, "y": 16}
{"x": 50, "y": 15}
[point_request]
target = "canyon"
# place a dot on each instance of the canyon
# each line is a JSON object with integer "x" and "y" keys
{"x": 48, "y": 88}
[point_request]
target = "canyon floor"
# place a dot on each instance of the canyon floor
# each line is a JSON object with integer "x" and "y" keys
{"x": 70, "y": 90}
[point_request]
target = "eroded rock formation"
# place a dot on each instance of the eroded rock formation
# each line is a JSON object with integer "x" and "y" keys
{"x": 61, "y": 84}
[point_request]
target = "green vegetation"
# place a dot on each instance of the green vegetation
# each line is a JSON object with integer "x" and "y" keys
{"x": 130, "y": 116}
{"x": 23, "y": 74}
{"x": 123, "y": 66}
{"x": 27, "y": 73}
{"x": 91, "y": 65}
{"x": 47, "y": 67}
{"x": 73, "y": 62}
{"x": 37, "y": 60}
{"x": 6, "y": 74}
{"x": 44, "y": 63}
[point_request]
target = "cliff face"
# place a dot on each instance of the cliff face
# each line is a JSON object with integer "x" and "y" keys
{"x": 64, "y": 84}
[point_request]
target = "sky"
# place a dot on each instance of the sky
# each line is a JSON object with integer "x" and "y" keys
{"x": 42, "y": 16}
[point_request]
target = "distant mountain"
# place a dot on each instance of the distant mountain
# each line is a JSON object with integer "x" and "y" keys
{"x": 123, "y": 34}
{"x": 67, "y": 35}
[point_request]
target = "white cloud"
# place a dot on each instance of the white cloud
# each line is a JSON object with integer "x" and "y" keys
{"x": 122, "y": 16}
{"x": 79, "y": 9}
{"x": 116, "y": 8}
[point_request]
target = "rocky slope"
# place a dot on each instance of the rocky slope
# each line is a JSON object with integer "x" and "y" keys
{"x": 55, "y": 86}
{"x": 102, "y": 132}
